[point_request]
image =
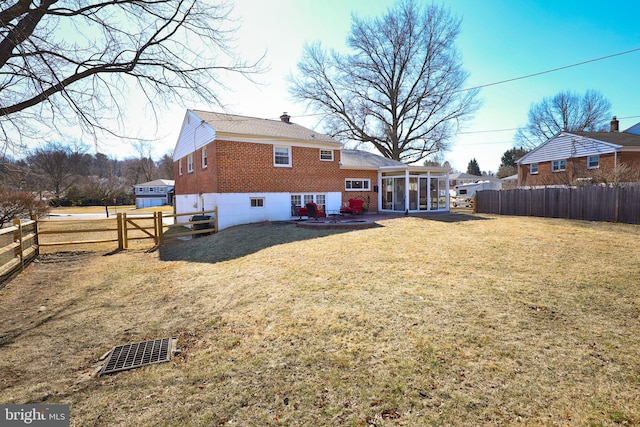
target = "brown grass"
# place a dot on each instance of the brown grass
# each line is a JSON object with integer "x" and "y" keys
{"x": 484, "y": 321}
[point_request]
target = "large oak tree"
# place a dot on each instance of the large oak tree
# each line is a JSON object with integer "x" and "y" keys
{"x": 399, "y": 87}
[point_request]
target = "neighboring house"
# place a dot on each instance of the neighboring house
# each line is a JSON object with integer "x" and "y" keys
{"x": 569, "y": 157}
{"x": 463, "y": 178}
{"x": 255, "y": 170}
{"x": 154, "y": 193}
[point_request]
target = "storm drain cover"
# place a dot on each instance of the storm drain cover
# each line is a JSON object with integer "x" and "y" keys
{"x": 131, "y": 356}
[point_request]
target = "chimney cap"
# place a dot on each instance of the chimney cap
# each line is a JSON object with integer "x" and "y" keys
{"x": 285, "y": 117}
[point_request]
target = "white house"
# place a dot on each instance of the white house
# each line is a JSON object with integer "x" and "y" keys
{"x": 154, "y": 193}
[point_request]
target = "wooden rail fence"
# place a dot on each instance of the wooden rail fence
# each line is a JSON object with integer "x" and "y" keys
{"x": 21, "y": 243}
{"x": 594, "y": 203}
{"x": 18, "y": 247}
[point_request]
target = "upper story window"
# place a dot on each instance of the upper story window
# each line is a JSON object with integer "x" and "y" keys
{"x": 151, "y": 189}
{"x": 559, "y": 165}
{"x": 533, "y": 168}
{"x": 204, "y": 157}
{"x": 593, "y": 162}
{"x": 282, "y": 156}
{"x": 190, "y": 163}
{"x": 326, "y": 155}
{"x": 357, "y": 184}
{"x": 180, "y": 167}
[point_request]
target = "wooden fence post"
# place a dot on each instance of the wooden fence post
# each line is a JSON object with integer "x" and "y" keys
{"x": 159, "y": 229}
{"x": 36, "y": 239}
{"x": 17, "y": 237}
{"x": 120, "y": 232}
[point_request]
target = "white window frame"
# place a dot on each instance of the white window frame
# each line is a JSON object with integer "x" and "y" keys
{"x": 277, "y": 156}
{"x": 301, "y": 199}
{"x": 559, "y": 165}
{"x": 533, "y": 168}
{"x": 590, "y": 164}
{"x": 190, "y": 163}
{"x": 256, "y": 202}
{"x": 365, "y": 184}
{"x": 180, "y": 167}
{"x": 326, "y": 155}
{"x": 204, "y": 158}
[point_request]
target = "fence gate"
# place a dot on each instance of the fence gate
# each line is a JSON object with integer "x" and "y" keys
{"x": 141, "y": 227}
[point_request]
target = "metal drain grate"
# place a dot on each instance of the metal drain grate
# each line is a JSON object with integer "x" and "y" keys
{"x": 131, "y": 356}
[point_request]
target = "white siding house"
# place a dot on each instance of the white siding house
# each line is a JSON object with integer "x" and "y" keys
{"x": 154, "y": 193}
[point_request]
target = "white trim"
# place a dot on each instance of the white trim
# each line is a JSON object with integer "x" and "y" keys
{"x": 204, "y": 160}
{"x": 190, "y": 163}
{"x": 290, "y": 160}
{"x": 326, "y": 151}
{"x": 531, "y": 172}
{"x": 362, "y": 180}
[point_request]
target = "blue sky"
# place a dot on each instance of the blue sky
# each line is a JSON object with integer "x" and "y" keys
{"x": 500, "y": 40}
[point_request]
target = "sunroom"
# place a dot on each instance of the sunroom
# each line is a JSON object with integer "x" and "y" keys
{"x": 413, "y": 189}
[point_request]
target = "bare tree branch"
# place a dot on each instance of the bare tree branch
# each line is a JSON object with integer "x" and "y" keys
{"x": 565, "y": 112}
{"x": 75, "y": 62}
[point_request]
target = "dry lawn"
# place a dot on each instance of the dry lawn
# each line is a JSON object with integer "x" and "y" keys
{"x": 449, "y": 320}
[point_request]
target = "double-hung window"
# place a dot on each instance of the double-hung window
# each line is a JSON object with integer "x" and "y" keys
{"x": 559, "y": 165}
{"x": 593, "y": 162}
{"x": 190, "y": 163}
{"x": 533, "y": 168}
{"x": 204, "y": 157}
{"x": 180, "y": 167}
{"x": 326, "y": 155}
{"x": 282, "y": 156}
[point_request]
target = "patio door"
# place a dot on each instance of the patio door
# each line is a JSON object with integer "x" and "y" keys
{"x": 393, "y": 194}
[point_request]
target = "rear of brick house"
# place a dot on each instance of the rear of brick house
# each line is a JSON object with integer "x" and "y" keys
{"x": 256, "y": 170}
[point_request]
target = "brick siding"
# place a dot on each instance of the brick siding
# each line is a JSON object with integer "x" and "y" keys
{"x": 242, "y": 167}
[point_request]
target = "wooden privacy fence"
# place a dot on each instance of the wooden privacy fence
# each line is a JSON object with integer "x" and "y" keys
{"x": 18, "y": 247}
{"x": 594, "y": 203}
{"x": 21, "y": 243}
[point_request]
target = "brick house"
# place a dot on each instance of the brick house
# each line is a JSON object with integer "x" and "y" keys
{"x": 257, "y": 169}
{"x": 570, "y": 157}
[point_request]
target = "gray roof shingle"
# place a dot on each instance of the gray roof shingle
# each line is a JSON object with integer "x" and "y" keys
{"x": 242, "y": 125}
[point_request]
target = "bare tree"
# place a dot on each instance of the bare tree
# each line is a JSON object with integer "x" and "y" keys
{"x": 401, "y": 86}
{"x": 566, "y": 111}
{"x": 57, "y": 167}
{"x": 76, "y": 63}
